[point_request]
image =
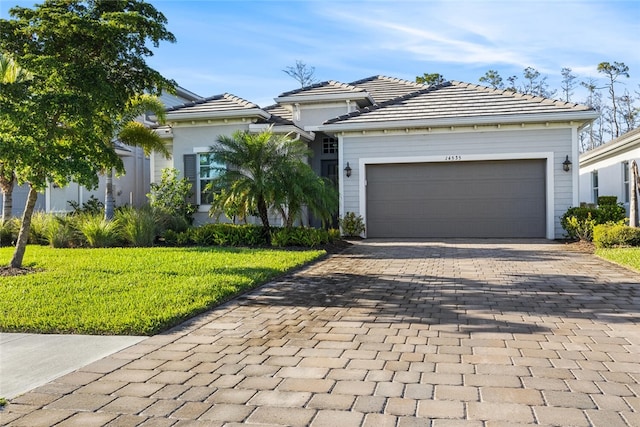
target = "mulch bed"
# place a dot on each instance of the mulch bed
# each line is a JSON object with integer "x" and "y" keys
{"x": 579, "y": 246}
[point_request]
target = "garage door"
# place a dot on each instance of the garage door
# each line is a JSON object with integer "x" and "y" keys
{"x": 461, "y": 199}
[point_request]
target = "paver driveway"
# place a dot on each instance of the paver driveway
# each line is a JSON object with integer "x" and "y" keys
{"x": 473, "y": 333}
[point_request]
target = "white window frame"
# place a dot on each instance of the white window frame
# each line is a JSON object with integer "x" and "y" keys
{"x": 202, "y": 151}
{"x": 626, "y": 181}
{"x": 595, "y": 186}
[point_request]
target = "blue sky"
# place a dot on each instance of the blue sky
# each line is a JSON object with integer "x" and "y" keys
{"x": 242, "y": 46}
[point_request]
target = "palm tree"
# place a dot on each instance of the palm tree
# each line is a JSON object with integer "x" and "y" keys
{"x": 11, "y": 74}
{"x": 300, "y": 187}
{"x": 135, "y": 134}
{"x": 259, "y": 173}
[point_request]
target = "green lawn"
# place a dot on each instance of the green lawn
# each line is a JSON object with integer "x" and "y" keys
{"x": 628, "y": 257}
{"x": 130, "y": 291}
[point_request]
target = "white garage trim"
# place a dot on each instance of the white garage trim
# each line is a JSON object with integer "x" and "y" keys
{"x": 550, "y": 182}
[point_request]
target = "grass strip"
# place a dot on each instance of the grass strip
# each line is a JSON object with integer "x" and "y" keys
{"x": 130, "y": 291}
{"x": 627, "y": 257}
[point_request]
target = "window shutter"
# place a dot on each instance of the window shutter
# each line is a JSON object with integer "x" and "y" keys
{"x": 191, "y": 174}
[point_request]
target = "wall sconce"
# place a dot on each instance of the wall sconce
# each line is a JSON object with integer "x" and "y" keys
{"x": 347, "y": 170}
{"x": 566, "y": 165}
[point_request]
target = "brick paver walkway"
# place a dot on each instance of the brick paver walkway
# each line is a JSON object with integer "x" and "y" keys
{"x": 455, "y": 333}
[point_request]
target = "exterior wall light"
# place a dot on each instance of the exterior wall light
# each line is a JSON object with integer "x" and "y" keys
{"x": 347, "y": 170}
{"x": 566, "y": 165}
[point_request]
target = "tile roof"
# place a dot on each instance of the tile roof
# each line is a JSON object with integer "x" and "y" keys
{"x": 218, "y": 103}
{"x": 330, "y": 87}
{"x": 455, "y": 100}
{"x": 279, "y": 114}
{"x": 383, "y": 89}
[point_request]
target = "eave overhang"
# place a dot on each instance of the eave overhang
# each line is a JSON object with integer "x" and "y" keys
{"x": 330, "y": 97}
{"x": 177, "y": 116}
{"x": 581, "y": 117}
{"x": 627, "y": 142}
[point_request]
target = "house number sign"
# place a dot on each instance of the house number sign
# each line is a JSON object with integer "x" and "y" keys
{"x": 453, "y": 157}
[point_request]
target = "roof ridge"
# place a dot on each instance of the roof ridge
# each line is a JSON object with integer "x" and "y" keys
{"x": 516, "y": 94}
{"x": 239, "y": 100}
{"x": 389, "y": 79}
{"x": 392, "y": 101}
{"x": 196, "y": 102}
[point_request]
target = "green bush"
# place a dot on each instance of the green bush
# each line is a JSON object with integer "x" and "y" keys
{"x": 221, "y": 234}
{"x": 578, "y": 222}
{"x": 351, "y": 225}
{"x": 171, "y": 194}
{"x": 9, "y": 231}
{"x": 39, "y": 224}
{"x": 61, "y": 232}
{"x": 300, "y": 236}
{"x": 615, "y": 235}
{"x": 93, "y": 206}
{"x": 607, "y": 200}
{"x": 138, "y": 227}
{"x": 98, "y": 231}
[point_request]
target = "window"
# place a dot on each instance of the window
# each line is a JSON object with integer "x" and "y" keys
{"x": 329, "y": 145}
{"x": 625, "y": 182}
{"x": 208, "y": 169}
{"x": 594, "y": 186}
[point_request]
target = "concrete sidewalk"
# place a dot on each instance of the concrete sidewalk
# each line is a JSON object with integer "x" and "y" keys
{"x": 28, "y": 361}
{"x": 474, "y": 333}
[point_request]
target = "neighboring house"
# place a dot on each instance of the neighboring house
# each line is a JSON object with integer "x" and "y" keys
{"x": 453, "y": 160}
{"x": 604, "y": 171}
{"x": 129, "y": 189}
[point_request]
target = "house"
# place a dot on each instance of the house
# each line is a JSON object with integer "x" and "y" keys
{"x": 605, "y": 171}
{"x": 452, "y": 160}
{"x": 129, "y": 189}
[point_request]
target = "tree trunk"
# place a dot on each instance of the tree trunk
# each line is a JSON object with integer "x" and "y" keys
{"x": 6, "y": 186}
{"x": 264, "y": 217}
{"x": 633, "y": 189}
{"x": 25, "y": 227}
{"x": 7, "y": 199}
{"x": 109, "y": 200}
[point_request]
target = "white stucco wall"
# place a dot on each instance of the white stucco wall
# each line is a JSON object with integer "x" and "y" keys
{"x": 552, "y": 142}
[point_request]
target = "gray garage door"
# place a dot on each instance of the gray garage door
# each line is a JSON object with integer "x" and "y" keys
{"x": 461, "y": 199}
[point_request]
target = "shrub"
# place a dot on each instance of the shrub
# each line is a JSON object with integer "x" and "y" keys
{"x": 300, "y": 236}
{"x": 579, "y": 228}
{"x": 578, "y": 222}
{"x": 61, "y": 232}
{"x": 9, "y": 231}
{"x": 171, "y": 194}
{"x": 612, "y": 235}
{"x": 98, "y": 231}
{"x": 607, "y": 200}
{"x": 351, "y": 225}
{"x": 137, "y": 226}
{"x": 93, "y": 206}
{"x": 38, "y": 231}
{"x": 228, "y": 235}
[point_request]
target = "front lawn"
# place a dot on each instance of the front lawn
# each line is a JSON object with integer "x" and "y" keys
{"x": 628, "y": 257}
{"x": 130, "y": 291}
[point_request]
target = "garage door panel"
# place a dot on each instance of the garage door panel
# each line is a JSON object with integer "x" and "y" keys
{"x": 464, "y": 199}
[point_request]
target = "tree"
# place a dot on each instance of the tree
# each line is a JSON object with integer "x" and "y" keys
{"x": 568, "y": 83}
{"x": 594, "y": 100}
{"x": 535, "y": 84}
{"x": 302, "y": 73}
{"x": 88, "y": 62}
{"x": 300, "y": 186}
{"x": 628, "y": 112}
{"x": 613, "y": 72}
{"x": 135, "y": 134}
{"x": 12, "y": 90}
{"x": 431, "y": 79}
{"x": 493, "y": 79}
{"x": 264, "y": 171}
